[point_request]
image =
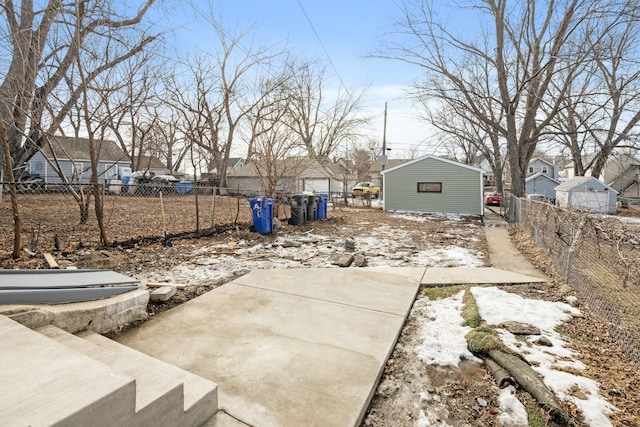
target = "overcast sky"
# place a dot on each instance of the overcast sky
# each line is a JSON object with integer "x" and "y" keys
{"x": 343, "y": 33}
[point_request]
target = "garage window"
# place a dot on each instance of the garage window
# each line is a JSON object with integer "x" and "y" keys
{"x": 429, "y": 187}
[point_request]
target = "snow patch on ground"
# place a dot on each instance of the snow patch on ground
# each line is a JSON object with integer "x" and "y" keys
{"x": 497, "y": 306}
{"x": 442, "y": 333}
{"x": 420, "y": 216}
{"x": 443, "y": 343}
{"x": 513, "y": 412}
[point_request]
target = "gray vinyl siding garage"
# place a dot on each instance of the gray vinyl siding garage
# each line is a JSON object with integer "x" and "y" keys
{"x": 433, "y": 184}
{"x": 586, "y": 193}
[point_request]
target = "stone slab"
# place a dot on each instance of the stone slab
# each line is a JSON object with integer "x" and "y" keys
{"x": 368, "y": 288}
{"x": 100, "y": 316}
{"x": 474, "y": 275}
{"x": 163, "y": 293}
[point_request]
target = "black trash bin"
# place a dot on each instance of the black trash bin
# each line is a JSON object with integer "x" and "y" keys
{"x": 312, "y": 208}
{"x": 298, "y": 209}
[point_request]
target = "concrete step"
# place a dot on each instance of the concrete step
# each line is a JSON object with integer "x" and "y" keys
{"x": 45, "y": 383}
{"x": 158, "y": 397}
{"x": 200, "y": 394}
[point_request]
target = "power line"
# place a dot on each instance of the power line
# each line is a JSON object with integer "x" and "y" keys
{"x": 326, "y": 52}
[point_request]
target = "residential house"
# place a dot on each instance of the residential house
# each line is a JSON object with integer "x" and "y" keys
{"x": 538, "y": 165}
{"x": 434, "y": 184}
{"x": 73, "y": 156}
{"x": 211, "y": 177}
{"x": 588, "y": 194}
{"x": 621, "y": 172}
{"x": 541, "y": 184}
{"x": 148, "y": 164}
{"x": 294, "y": 175}
{"x": 376, "y": 169}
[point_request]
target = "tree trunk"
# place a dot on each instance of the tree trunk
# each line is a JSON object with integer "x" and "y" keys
{"x": 531, "y": 382}
{"x": 500, "y": 375}
{"x": 83, "y": 203}
{"x": 17, "y": 244}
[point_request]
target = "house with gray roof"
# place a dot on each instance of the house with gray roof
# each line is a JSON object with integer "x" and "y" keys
{"x": 586, "y": 193}
{"x": 541, "y": 184}
{"x": 294, "y": 175}
{"x": 73, "y": 156}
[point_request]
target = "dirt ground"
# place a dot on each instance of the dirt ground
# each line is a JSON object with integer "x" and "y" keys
{"x": 458, "y": 397}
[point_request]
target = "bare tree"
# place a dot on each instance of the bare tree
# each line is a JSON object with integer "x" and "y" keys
{"x": 362, "y": 164}
{"x": 94, "y": 152}
{"x": 526, "y": 43}
{"x": 43, "y": 46}
{"x": 602, "y": 106}
{"x": 471, "y": 141}
{"x": 322, "y": 123}
{"x": 133, "y": 100}
{"x": 17, "y": 229}
{"x": 228, "y": 87}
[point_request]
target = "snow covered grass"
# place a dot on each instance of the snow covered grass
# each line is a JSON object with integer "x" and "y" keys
{"x": 444, "y": 344}
{"x": 443, "y": 335}
{"x": 549, "y": 362}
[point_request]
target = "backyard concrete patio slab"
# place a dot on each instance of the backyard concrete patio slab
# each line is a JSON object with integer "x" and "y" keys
{"x": 288, "y": 347}
{"x": 361, "y": 287}
{"x": 474, "y": 275}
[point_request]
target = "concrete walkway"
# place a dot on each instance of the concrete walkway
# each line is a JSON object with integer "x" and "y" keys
{"x": 306, "y": 346}
{"x": 502, "y": 252}
{"x": 288, "y": 347}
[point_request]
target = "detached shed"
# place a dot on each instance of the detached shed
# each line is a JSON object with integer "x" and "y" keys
{"x": 433, "y": 184}
{"x": 588, "y": 194}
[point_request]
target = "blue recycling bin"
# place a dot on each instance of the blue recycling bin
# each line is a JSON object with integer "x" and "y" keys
{"x": 322, "y": 206}
{"x": 262, "y": 210}
{"x": 184, "y": 187}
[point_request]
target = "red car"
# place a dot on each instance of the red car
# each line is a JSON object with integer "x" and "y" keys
{"x": 493, "y": 199}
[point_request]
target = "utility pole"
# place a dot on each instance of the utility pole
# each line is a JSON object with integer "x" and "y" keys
{"x": 383, "y": 159}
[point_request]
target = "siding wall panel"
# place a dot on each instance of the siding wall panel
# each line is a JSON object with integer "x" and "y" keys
{"x": 461, "y": 188}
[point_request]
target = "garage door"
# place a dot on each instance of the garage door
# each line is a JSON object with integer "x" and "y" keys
{"x": 316, "y": 185}
{"x": 592, "y": 201}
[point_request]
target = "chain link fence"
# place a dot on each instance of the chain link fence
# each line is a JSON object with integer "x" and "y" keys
{"x": 598, "y": 255}
{"x": 58, "y": 217}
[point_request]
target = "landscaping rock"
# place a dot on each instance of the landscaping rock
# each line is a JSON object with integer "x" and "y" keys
{"x": 350, "y": 244}
{"x": 572, "y": 300}
{"x": 360, "y": 261}
{"x": 518, "y": 328}
{"x": 162, "y": 294}
{"x": 544, "y": 341}
{"x": 565, "y": 289}
{"x": 341, "y": 260}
